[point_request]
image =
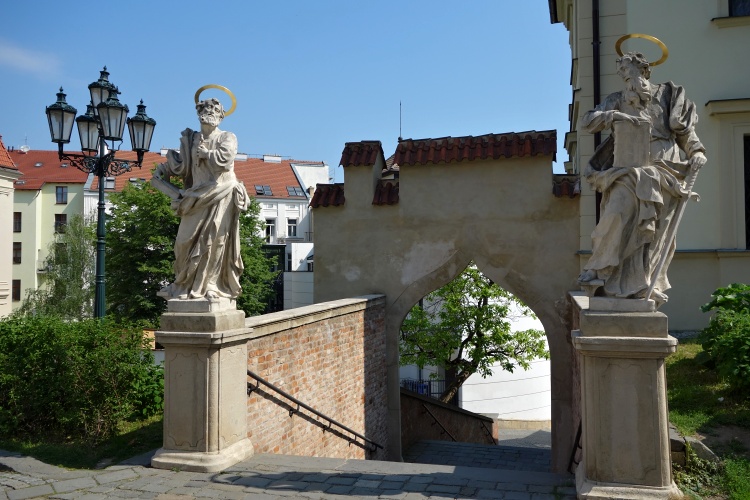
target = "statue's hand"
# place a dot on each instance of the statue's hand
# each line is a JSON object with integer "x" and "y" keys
{"x": 697, "y": 161}
{"x": 202, "y": 152}
{"x": 619, "y": 116}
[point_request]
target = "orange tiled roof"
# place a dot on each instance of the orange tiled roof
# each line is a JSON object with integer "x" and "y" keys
{"x": 361, "y": 153}
{"x": 328, "y": 195}
{"x": 41, "y": 167}
{"x": 150, "y": 161}
{"x": 253, "y": 171}
{"x": 467, "y": 148}
{"x": 277, "y": 175}
{"x": 5, "y": 160}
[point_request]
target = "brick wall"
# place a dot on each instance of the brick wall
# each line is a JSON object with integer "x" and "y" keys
{"x": 417, "y": 423}
{"x": 330, "y": 356}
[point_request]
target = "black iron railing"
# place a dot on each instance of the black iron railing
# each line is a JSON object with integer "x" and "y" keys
{"x": 258, "y": 380}
{"x": 430, "y": 388}
{"x": 436, "y": 421}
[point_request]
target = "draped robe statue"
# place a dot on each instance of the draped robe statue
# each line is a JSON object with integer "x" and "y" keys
{"x": 640, "y": 178}
{"x": 207, "y": 249}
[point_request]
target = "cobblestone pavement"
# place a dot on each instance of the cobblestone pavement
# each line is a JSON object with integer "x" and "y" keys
{"x": 278, "y": 476}
{"x": 477, "y": 455}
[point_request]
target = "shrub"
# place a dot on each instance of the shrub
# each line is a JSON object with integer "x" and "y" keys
{"x": 64, "y": 380}
{"x": 726, "y": 340}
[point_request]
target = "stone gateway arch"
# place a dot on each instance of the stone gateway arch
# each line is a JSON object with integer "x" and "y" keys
{"x": 406, "y": 226}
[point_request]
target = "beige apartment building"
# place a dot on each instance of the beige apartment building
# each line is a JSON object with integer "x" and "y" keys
{"x": 8, "y": 175}
{"x": 47, "y": 194}
{"x": 705, "y": 40}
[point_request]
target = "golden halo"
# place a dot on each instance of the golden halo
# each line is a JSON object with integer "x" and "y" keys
{"x": 664, "y": 50}
{"x": 214, "y": 86}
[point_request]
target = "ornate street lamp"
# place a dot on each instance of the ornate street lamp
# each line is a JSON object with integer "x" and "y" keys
{"x": 105, "y": 120}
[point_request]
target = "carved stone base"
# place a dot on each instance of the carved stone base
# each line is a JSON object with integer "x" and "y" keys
{"x": 625, "y": 436}
{"x": 193, "y": 461}
{"x": 205, "y": 390}
{"x": 607, "y": 491}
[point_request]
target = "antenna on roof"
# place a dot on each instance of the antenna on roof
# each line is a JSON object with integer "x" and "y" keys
{"x": 399, "y": 121}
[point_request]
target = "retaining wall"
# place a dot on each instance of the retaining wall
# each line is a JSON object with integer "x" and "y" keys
{"x": 420, "y": 416}
{"x": 330, "y": 356}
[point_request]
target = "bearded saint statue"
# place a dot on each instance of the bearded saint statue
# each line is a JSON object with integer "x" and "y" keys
{"x": 207, "y": 249}
{"x": 639, "y": 200}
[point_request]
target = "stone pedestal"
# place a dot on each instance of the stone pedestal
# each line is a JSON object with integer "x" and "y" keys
{"x": 205, "y": 386}
{"x": 625, "y": 435}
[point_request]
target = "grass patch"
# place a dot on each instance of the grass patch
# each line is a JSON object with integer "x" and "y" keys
{"x": 131, "y": 439}
{"x": 698, "y": 399}
{"x": 699, "y": 402}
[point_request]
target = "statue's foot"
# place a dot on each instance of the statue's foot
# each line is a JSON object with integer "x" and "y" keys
{"x": 586, "y": 276}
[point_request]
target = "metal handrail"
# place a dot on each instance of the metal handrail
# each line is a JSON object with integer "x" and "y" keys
{"x": 438, "y": 422}
{"x": 576, "y": 447}
{"x": 300, "y": 404}
{"x": 489, "y": 432}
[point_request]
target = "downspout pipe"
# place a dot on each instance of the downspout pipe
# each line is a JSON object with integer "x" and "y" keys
{"x": 596, "y": 46}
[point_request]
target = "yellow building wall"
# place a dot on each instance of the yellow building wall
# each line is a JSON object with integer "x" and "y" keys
{"x": 38, "y": 209}
{"x": 703, "y": 57}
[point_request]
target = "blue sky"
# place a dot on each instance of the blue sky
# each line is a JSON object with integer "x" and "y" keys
{"x": 308, "y": 75}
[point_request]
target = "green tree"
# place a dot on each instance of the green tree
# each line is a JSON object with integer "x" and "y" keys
{"x": 140, "y": 251}
{"x": 141, "y": 231}
{"x": 465, "y": 327}
{"x": 257, "y": 279}
{"x": 67, "y": 288}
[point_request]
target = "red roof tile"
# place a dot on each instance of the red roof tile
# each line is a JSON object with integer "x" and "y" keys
{"x": 150, "y": 161}
{"x": 255, "y": 172}
{"x": 5, "y": 159}
{"x": 328, "y": 195}
{"x": 361, "y": 153}
{"x": 566, "y": 185}
{"x": 41, "y": 167}
{"x": 468, "y": 148}
{"x": 386, "y": 193}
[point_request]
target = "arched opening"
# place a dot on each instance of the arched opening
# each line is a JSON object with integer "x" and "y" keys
{"x": 472, "y": 344}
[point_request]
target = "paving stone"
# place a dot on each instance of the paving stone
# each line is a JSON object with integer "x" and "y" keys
{"x": 123, "y": 493}
{"x": 340, "y": 489}
{"x": 365, "y": 492}
{"x": 387, "y": 493}
{"x": 517, "y": 495}
{"x": 415, "y": 487}
{"x": 443, "y": 488}
{"x": 30, "y": 492}
{"x": 120, "y": 475}
{"x": 287, "y": 485}
{"x": 348, "y": 481}
{"x": 391, "y": 485}
{"x": 73, "y": 484}
{"x": 316, "y": 478}
{"x": 258, "y": 482}
{"x": 367, "y": 483}
{"x": 489, "y": 494}
{"x": 172, "y": 496}
{"x": 414, "y": 496}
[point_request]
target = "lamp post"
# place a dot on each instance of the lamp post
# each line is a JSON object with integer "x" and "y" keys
{"x": 105, "y": 120}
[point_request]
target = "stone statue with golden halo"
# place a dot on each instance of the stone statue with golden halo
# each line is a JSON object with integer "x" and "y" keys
{"x": 645, "y": 171}
{"x": 207, "y": 250}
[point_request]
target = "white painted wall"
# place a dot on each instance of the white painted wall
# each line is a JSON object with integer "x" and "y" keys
{"x": 521, "y": 395}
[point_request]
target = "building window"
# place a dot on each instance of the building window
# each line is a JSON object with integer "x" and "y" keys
{"x": 289, "y": 262}
{"x": 309, "y": 266}
{"x": 270, "y": 230}
{"x": 16, "y": 222}
{"x": 16, "y": 252}
{"x": 263, "y": 190}
{"x": 739, "y": 8}
{"x": 747, "y": 190}
{"x": 16, "y": 290}
{"x": 61, "y": 220}
{"x": 61, "y": 195}
{"x": 109, "y": 183}
{"x": 294, "y": 191}
{"x": 291, "y": 228}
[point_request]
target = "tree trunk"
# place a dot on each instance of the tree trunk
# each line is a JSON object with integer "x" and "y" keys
{"x": 452, "y": 388}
